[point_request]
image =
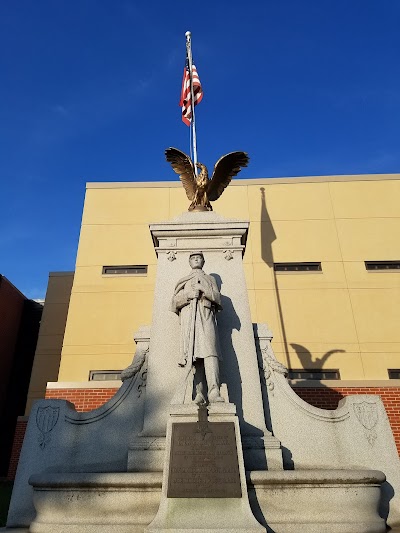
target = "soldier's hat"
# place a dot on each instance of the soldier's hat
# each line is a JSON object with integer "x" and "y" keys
{"x": 196, "y": 252}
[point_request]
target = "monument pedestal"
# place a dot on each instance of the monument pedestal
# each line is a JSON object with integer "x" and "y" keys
{"x": 223, "y": 244}
{"x": 204, "y": 484}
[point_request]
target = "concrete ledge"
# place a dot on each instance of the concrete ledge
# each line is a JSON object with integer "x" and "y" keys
{"x": 114, "y": 384}
{"x": 15, "y": 529}
{"x": 111, "y": 481}
{"x": 332, "y": 501}
{"x": 316, "y": 477}
{"x": 339, "y": 383}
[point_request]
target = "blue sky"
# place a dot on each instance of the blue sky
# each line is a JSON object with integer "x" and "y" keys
{"x": 89, "y": 91}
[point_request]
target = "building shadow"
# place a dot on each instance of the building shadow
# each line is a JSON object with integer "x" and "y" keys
{"x": 327, "y": 398}
{"x": 228, "y": 321}
{"x": 268, "y": 236}
{"x": 330, "y": 398}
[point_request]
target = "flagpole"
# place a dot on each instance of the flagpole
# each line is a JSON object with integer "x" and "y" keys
{"x": 188, "y": 36}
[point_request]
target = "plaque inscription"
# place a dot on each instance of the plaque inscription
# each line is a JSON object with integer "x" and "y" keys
{"x": 203, "y": 462}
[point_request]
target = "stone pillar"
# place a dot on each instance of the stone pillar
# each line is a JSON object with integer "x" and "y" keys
{"x": 223, "y": 245}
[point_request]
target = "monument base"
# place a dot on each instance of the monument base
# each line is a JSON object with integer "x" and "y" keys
{"x": 94, "y": 503}
{"x": 311, "y": 501}
{"x": 204, "y": 462}
{"x": 332, "y": 501}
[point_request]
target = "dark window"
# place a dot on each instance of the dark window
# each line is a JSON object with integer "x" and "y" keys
{"x": 314, "y": 374}
{"x": 104, "y": 375}
{"x": 297, "y": 267}
{"x": 382, "y": 265}
{"x": 394, "y": 373}
{"x": 125, "y": 269}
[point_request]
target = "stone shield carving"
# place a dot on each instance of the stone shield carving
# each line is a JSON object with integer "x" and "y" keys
{"x": 367, "y": 415}
{"x": 46, "y": 419}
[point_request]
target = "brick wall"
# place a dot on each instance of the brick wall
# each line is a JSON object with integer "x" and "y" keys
{"x": 328, "y": 398}
{"x": 83, "y": 399}
{"x": 17, "y": 445}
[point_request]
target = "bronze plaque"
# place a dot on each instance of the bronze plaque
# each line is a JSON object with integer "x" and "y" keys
{"x": 203, "y": 462}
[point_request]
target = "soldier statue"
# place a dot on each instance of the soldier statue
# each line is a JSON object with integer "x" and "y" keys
{"x": 196, "y": 300}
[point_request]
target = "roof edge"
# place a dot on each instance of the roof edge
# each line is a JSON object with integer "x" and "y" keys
{"x": 248, "y": 181}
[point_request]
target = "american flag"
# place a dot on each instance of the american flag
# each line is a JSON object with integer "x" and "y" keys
{"x": 186, "y": 99}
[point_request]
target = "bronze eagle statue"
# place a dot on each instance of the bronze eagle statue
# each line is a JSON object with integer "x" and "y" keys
{"x": 200, "y": 189}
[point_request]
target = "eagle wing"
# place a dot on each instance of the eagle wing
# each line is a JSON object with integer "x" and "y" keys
{"x": 225, "y": 169}
{"x": 182, "y": 165}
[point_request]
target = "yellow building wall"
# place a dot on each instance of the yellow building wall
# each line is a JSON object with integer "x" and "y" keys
{"x": 341, "y": 318}
{"x": 46, "y": 363}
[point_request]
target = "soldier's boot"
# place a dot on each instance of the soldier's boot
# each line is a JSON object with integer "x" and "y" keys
{"x": 214, "y": 396}
{"x": 211, "y": 367}
{"x": 200, "y": 398}
{"x": 199, "y": 379}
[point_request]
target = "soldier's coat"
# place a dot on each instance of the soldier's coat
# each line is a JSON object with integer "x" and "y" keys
{"x": 206, "y": 342}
